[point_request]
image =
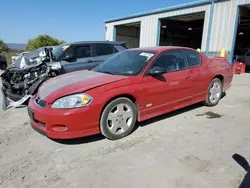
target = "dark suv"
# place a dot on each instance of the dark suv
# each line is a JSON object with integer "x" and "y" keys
{"x": 85, "y": 55}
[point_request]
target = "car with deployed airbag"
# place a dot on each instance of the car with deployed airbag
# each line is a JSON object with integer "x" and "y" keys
{"x": 133, "y": 85}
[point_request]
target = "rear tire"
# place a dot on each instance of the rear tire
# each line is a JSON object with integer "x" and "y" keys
{"x": 118, "y": 119}
{"x": 214, "y": 92}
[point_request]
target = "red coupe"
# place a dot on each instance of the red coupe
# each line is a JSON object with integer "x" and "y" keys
{"x": 134, "y": 85}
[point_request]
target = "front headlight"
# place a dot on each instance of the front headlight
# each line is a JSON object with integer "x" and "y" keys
{"x": 72, "y": 101}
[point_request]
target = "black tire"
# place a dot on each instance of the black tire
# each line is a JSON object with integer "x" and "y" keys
{"x": 104, "y": 126}
{"x": 210, "y": 102}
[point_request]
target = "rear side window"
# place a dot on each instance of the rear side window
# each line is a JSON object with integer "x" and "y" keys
{"x": 194, "y": 58}
{"x": 174, "y": 60}
{"x": 104, "y": 49}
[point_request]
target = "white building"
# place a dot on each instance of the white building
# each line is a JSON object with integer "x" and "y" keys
{"x": 207, "y": 24}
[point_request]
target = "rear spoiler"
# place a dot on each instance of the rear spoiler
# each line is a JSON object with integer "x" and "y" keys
{"x": 116, "y": 42}
{"x": 218, "y": 57}
{"x": 223, "y": 61}
{"x": 120, "y": 43}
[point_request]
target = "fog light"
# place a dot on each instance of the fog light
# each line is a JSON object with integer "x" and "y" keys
{"x": 59, "y": 128}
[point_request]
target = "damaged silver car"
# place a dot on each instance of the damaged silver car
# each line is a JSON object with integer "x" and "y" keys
{"x": 21, "y": 82}
{"x": 26, "y": 59}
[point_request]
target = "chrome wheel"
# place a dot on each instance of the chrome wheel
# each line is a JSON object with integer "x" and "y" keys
{"x": 215, "y": 92}
{"x": 120, "y": 118}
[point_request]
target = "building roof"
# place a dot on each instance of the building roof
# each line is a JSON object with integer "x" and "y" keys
{"x": 171, "y": 8}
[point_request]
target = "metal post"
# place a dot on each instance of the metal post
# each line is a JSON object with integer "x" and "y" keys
{"x": 210, "y": 27}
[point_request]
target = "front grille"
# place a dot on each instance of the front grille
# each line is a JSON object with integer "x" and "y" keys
{"x": 40, "y": 103}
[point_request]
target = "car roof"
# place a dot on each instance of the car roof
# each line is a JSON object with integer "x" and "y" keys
{"x": 162, "y": 48}
{"x": 96, "y": 42}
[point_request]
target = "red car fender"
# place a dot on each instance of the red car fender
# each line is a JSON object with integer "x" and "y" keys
{"x": 220, "y": 67}
{"x": 121, "y": 92}
{"x": 104, "y": 94}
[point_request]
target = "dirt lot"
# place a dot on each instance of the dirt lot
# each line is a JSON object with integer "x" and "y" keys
{"x": 188, "y": 148}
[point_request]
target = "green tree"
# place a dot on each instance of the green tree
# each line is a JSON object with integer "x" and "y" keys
{"x": 43, "y": 40}
{"x": 5, "y": 51}
{"x": 3, "y": 47}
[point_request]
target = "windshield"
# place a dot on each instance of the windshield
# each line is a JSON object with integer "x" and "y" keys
{"x": 57, "y": 51}
{"x": 129, "y": 62}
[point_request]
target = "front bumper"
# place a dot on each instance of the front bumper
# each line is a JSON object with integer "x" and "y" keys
{"x": 63, "y": 124}
{"x": 8, "y": 103}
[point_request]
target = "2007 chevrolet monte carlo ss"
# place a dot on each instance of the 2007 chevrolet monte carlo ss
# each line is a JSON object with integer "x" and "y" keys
{"x": 134, "y": 85}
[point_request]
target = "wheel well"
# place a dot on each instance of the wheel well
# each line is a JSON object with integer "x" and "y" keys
{"x": 131, "y": 97}
{"x": 220, "y": 77}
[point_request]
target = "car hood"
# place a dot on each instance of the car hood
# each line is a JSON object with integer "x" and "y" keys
{"x": 74, "y": 82}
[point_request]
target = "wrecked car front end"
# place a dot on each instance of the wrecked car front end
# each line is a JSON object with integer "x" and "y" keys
{"x": 27, "y": 59}
{"x": 19, "y": 84}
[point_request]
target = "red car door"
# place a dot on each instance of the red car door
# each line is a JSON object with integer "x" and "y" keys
{"x": 198, "y": 76}
{"x": 165, "y": 92}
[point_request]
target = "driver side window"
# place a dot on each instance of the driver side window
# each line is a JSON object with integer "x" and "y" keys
{"x": 82, "y": 51}
{"x": 171, "y": 61}
{"x": 79, "y": 52}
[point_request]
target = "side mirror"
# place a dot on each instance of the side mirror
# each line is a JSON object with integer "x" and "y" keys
{"x": 157, "y": 71}
{"x": 69, "y": 57}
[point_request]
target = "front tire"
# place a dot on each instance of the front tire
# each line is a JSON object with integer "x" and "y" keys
{"x": 214, "y": 92}
{"x": 118, "y": 118}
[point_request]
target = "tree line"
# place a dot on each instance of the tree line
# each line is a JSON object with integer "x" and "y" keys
{"x": 33, "y": 44}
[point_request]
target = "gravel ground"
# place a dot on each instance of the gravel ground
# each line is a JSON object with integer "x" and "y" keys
{"x": 188, "y": 148}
